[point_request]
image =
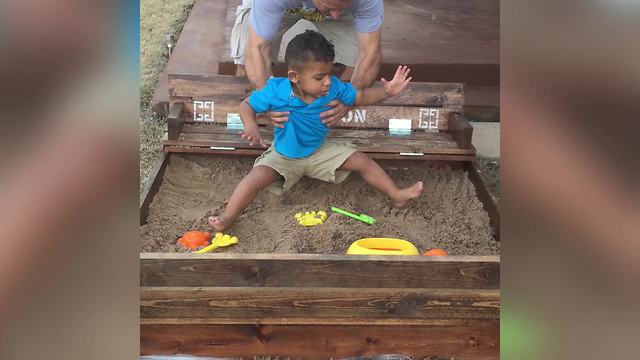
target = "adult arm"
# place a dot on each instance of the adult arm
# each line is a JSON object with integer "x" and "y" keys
{"x": 258, "y": 69}
{"x": 369, "y": 59}
{"x": 257, "y": 63}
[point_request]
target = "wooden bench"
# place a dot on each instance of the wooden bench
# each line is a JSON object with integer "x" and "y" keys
{"x": 201, "y": 106}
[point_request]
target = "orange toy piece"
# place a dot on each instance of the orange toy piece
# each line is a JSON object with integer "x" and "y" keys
{"x": 435, "y": 252}
{"x": 195, "y": 239}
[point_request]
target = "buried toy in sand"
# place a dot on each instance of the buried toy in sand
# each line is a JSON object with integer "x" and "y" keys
{"x": 435, "y": 252}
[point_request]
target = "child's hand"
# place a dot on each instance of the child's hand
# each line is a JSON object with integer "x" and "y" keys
{"x": 253, "y": 136}
{"x": 398, "y": 83}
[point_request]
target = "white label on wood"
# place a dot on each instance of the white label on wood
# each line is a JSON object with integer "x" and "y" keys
{"x": 203, "y": 111}
{"x": 356, "y": 115}
{"x": 400, "y": 126}
{"x": 429, "y": 118}
{"x": 234, "y": 122}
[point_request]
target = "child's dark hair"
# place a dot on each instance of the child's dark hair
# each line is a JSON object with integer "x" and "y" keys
{"x": 306, "y": 47}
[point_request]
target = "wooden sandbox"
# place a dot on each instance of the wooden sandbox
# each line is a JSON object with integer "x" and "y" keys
{"x": 303, "y": 305}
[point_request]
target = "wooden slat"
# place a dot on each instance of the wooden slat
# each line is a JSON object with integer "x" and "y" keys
{"x": 160, "y": 99}
{"x": 277, "y": 303}
{"x": 211, "y": 134}
{"x": 310, "y": 321}
{"x": 204, "y": 128}
{"x": 374, "y": 116}
{"x": 185, "y": 149}
{"x": 392, "y": 145}
{"x": 461, "y": 131}
{"x": 476, "y": 341}
{"x": 489, "y": 203}
{"x": 202, "y": 40}
{"x": 175, "y": 121}
{"x": 236, "y": 88}
{"x": 152, "y": 186}
{"x": 281, "y": 270}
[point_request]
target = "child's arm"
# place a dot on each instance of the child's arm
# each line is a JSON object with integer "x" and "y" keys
{"x": 374, "y": 95}
{"x": 251, "y": 132}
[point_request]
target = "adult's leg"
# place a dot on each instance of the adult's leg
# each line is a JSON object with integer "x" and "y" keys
{"x": 342, "y": 35}
{"x": 286, "y": 23}
{"x": 239, "y": 36}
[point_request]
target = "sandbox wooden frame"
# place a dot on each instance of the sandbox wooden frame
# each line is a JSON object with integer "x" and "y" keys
{"x": 311, "y": 306}
{"x": 319, "y": 306}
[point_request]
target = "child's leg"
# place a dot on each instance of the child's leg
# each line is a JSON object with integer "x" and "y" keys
{"x": 375, "y": 176}
{"x": 258, "y": 178}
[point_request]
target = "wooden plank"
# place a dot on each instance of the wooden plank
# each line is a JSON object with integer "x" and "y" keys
{"x": 338, "y": 133}
{"x": 185, "y": 149}
{"x": 478, "y": 341}
{"x": 489, "y": 203}
{"x": 236, "y": 88}
{"x": 160, "y": 100}
{"x": 349, "y": 303}
{"x": 389, "y": 145}
{"x": 374, "y": 116}
{"x": 310, "y": 321}
{"x": 281, "y": 270}
{"x": 152, "y": 186}
{"x": 461, "y": 131}
{"x": 175, "y": 121}
{"x": 202, "y": 39}
{"x": 368, "y": 146}
{"x": 364, "y": 145}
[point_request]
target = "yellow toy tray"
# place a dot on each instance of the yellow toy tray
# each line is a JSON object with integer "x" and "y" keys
{"x": 382, "y": 246}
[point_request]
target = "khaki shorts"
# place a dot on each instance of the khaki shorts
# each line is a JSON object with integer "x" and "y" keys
{"x": 341, "y": 33}
{"x": 323, "y": 165}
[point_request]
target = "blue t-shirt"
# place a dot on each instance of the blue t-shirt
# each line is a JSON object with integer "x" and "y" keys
{"x": 304, "y": 133}
{"x": 265, "y": 16}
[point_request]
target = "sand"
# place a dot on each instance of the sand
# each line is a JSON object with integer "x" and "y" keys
{"x": 448, "y": 215}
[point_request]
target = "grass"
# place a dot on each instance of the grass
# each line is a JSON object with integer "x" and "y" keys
{"x": 157, "y": 18}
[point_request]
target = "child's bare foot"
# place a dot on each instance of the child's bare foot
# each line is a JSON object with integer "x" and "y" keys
{"x": 404, "y": 195}
{"x": 220, "y": 222}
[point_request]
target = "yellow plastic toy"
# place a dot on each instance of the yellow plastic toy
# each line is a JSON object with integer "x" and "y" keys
{"x": 219, "y": 240}
{"x": 382, "y": 246}
{"x": 311, "y": 218}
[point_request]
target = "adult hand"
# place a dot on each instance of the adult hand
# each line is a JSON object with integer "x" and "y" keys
{"x": 278, "y": 118}
{"x": 331, "y": 116}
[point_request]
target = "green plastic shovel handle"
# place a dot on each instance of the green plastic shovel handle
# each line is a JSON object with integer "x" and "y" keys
{"x": 364, "y": 218}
